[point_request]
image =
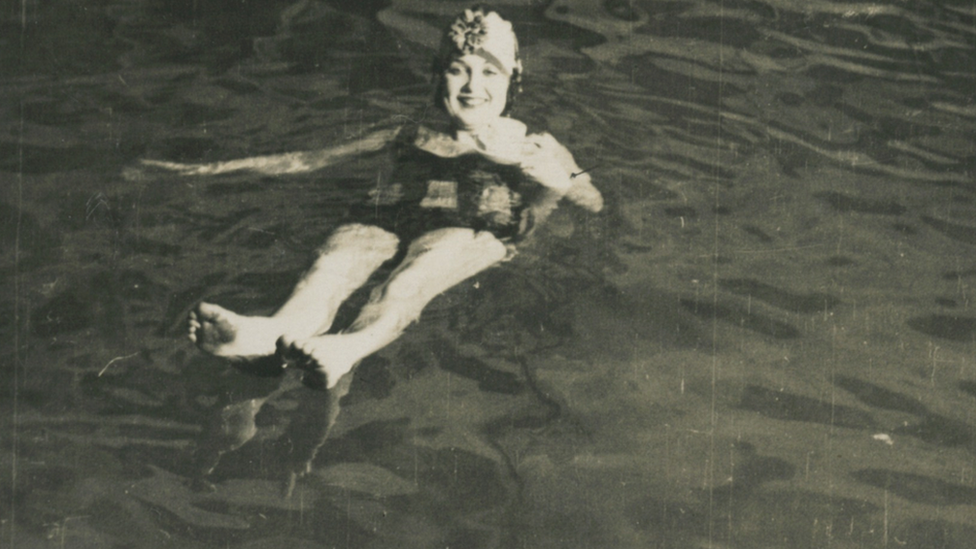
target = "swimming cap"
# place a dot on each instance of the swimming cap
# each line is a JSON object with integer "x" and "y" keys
{"x": 486, "y": 34}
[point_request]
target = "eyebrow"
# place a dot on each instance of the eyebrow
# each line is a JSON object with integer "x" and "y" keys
{"x": 492, "y": 59}
{"x": 487, "y": 56}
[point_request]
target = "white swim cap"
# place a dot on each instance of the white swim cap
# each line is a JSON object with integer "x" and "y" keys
{"x": 481, "y": 32}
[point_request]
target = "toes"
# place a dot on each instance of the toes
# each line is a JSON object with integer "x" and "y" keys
{"x": 284, "y": 344}
{"x": 294, "y": 353}
{"x": 303, "y": 352}
{"x": 208, "y": 312}
{"x": 286, "y": 348}
{"x": 192, "y": 326}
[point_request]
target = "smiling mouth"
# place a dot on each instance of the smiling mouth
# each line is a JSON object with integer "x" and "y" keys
{"x": 472, "y": 101}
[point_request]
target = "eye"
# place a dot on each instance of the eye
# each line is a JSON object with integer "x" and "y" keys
{"x": 454, "y": 70}
{"x": 490, "y": 71}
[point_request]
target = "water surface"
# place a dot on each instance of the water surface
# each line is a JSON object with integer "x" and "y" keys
{"x": 766, "y": 340}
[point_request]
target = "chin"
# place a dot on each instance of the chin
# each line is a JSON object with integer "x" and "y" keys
{"x": 476, "y": 119}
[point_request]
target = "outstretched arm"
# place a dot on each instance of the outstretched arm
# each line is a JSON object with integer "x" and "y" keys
{"x": 287, "y": 163}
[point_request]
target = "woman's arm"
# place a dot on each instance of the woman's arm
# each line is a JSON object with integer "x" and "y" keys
{"x": 551, "y": 165}
{"x": 548, "y": 163}
{"x": 287, "y": 163}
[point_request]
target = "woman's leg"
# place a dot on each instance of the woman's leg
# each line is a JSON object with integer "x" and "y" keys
{"x": 434, "y": 262}
{"x": 343, "y": 264}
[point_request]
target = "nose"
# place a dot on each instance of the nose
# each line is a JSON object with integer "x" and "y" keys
{"x": 473, "y": 82}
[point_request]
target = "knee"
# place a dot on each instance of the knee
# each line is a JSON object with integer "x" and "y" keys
{"x": 442, "y": 238}
{"x": 453, "y": 252}
{"x": 363, "y": 238}
{"x": 455, "y": 239}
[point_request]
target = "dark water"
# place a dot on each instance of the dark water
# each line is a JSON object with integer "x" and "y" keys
{"x": 767, "y": 340}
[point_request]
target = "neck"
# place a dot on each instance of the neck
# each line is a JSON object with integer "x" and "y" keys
{"x": 479, "y": 129}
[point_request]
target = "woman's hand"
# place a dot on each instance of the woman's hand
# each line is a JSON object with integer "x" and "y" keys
{"x": 550, "y": 164}
{"x": 546, "y": 162}
{"x": 541, "y": 161}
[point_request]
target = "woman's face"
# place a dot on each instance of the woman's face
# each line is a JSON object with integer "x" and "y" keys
{"x": 475, "y": 91}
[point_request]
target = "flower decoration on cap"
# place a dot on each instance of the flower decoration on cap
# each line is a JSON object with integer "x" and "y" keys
{"x": 480, "y": 31}
{"x": 468, "y": 31}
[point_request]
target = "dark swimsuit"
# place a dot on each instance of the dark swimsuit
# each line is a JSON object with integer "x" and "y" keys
{"x": 428, "y": 192}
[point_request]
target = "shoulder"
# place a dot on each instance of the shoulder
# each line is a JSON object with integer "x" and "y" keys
{"x": 406, "y": 136}
{"x": 414, "y": 139}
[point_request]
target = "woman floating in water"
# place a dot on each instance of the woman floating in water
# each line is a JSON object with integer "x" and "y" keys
{"x": 462, "y": 199}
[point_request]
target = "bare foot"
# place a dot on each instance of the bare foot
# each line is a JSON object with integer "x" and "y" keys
{"x": 225, "y": 333}
{"x": 329, "y": 356}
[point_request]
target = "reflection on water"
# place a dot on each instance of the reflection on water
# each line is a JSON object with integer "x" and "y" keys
{"x": 767, "y": 340}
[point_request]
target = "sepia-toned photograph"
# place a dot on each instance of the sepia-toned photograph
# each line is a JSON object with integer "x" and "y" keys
{"x": 526, "y": 274}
